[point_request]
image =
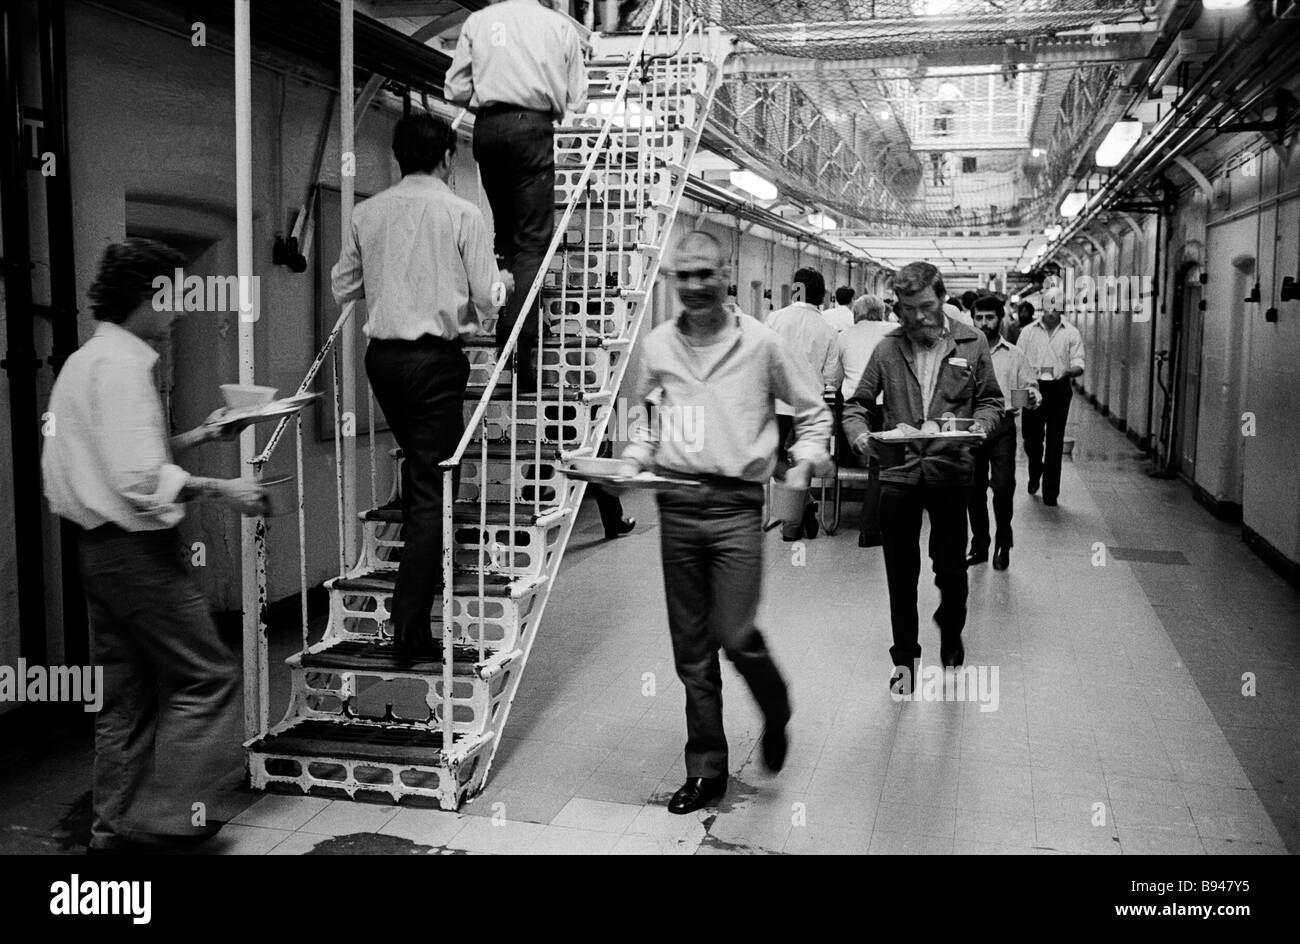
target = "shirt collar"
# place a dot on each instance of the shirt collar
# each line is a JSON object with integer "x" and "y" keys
{"x": 127, "y": 344}
{"x": 422, "y": 182}
{"x": 1002, "y": 343}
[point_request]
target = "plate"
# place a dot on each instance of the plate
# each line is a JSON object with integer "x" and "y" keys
{"x": 285, "y": 406}
{"x": 607, "y": 472}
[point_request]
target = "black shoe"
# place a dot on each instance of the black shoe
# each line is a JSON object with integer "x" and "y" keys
{"x": 414, "y": 647}
{"x": 775, "y": 746}
{"x": 695, "y": 793}
{"x": 953, "y": 657}
{"x": 811, "y": 524}
{"x": 1033, "y": 486}
{"x": 1001, "y": 558}
{"x": 977, "y": 557}
{"x": 525, "y": 367}
{"x": 869, "y": 540}
{"x": 1049, "y": 502}
{"x": 623, "y": 526}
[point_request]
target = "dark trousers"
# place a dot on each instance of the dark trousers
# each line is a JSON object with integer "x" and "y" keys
{"x": 420, "y": 386}
{"x": 901, "y": 507}
{"x": 995, "y": 466}
{"x": 169, "y": 682}
{"x": 869, "y": 524}
{"x": 791, "y": 530}
{"x": 515, "y": 150}
{"x": 1046, "y": 425}
{"x": 711, "y": 541}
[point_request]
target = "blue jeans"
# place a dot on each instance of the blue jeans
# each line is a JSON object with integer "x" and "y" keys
{"x": 168, "y": 680}
{"x": 711, "y": 540}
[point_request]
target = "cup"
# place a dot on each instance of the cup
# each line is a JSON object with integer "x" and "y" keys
{"x": 1019, "y": 399}
{"x": 1045, "y": 374}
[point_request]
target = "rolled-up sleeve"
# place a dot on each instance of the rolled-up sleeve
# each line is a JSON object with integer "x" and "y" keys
{"x": 1076, "y": 349}
{"x": 794, "y": 382}
{"x": 345, "y": 278}
{"x": 129, "y": 434}
{"x": 458, "y": 86}
{"x": 480, "y": 264}
{"x": 577, "y": 79}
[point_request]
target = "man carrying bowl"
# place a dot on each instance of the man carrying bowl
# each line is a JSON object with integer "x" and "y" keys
{"x": 931, "y": 368}
{"x": 995, "y": 458}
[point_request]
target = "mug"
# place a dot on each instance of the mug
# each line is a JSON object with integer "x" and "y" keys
{"x": 1019, "y": 399}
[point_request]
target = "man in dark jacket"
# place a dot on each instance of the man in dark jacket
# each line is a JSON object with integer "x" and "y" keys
{"x": 929, "y": 368}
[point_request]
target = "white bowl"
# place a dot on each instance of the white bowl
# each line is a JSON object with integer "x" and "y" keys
{"x": 243, "y": 396}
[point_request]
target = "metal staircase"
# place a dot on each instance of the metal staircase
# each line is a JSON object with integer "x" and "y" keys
{"x": 364, "y": 722}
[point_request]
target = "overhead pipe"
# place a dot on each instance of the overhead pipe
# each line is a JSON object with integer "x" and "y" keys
{"x": 63, "y": 293}
{"x": 20, "y": 360}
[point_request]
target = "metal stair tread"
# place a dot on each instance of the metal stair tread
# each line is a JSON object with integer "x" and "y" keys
{"x": 500, "y": 449}
{"x": 386, "y": 743}
{"x": 365, "y": 655}
{"x": 467, "y": 512}
{"x": 550, "y": 393}
{"x": 465, "y": 583}
{"x": 571, "y": 342}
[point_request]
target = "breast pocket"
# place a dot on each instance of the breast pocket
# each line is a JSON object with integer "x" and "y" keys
{"x": 956, "y": 384}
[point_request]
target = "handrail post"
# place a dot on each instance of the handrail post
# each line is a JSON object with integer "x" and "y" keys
{"x": 347, "y": 191}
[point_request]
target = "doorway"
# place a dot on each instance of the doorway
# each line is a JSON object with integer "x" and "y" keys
{"x": 1189, "y": 336}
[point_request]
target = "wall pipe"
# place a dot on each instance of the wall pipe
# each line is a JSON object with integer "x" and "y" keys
{"x": 20, "y": 360}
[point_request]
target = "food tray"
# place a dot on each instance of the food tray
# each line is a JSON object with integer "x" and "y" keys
{"x": 267, "y": 411}
{"x": 607, "y": 472}
{"x": 951, "y": 429}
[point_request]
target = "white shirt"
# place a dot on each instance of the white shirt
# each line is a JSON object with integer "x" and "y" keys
{"x": 422, "y": 259}
{"x": 1012, "y": 369}
{"x": 107, "y": 458}
{"x": 518, "y": 53}
{"x": 958, "y": 314}
{"x": 807, "y": 334}
{"x": 840, "y": 317}
{"x": 1051, "y": 350}
{"x": 855, "y": 346}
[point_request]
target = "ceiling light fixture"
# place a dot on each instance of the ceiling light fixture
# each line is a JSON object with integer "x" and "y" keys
{"x": 1119, "y": 140}
{"x": 822, "y": 221}
{"x": 753, "y": 184}
{"x": 1073, "y": 203}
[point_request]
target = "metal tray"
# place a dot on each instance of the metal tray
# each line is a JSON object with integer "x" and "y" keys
{"x": 607, "y": 472}
{"x": 268, "y": 411}
{"x": 951, "y": 429}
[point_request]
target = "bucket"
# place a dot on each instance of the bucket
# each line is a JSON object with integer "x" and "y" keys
{"x": 786, "y": 504}
{"x": 281, "y": 495}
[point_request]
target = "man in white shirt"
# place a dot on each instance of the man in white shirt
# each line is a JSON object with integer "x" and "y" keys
{"x": 1055, "y": 351}
{"x": 855, "y": 346}
{"x": 420, "y": 257}
{"x": 841, "y": 316}
{"x": 107, "y": 467}
{"x": 518, "y": 66}
{"x": 813, "y": 341}
{"x": 995, "y": 457}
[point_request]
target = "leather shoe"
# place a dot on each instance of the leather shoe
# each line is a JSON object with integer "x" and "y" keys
{"x": 953, "y": 657}
{"x": 811, "y": 523}
{"x": 775, "y": 746}
{"x": 1049, "y": 502}
{"x": 1033, "y": 486}
{"x": 695, "y": 793}
{"x": 1001, "y": 558}
{"x": 869, "y": 540}
{"x": 623, "y": 527}
{"x": 976, "y": 557}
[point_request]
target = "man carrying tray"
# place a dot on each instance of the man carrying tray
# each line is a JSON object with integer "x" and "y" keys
{"x": 930, "y": 368}
{"x": 728, "y": 371}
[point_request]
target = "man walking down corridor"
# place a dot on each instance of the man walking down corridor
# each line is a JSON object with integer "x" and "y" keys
{"x": 518, "y": 66}
{"x": 1054, "y": 348}
{"x": 932, "y": 368}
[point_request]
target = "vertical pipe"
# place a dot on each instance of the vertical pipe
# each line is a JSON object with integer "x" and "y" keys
{"x": 252, "y": 530}
{"x": 63, "y": 292}
{"x": 347, "y": 169}
{"x": 20, "y": 356}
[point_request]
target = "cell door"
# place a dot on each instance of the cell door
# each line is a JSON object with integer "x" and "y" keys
{"x": 1187, "y": 382}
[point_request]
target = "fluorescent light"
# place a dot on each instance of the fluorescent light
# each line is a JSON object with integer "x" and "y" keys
{"x": 1119, "y": 141}
{"x": 1052, "y": 232}
{"x": 1073, "y": 203}
{"x": 1037, "y": 152}
{"x": 751, "y": 183}
{"x": 1224, "y": 4}
{"x": 822, "y": 221}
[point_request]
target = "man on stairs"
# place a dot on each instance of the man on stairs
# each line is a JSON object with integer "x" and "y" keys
{"x": 729, "y": 371}
{"x": 518, "y": 66}
{"x": 420, "y": 257}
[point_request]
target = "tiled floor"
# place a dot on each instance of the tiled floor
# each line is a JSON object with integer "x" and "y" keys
{"x": 1120, "y": 724}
